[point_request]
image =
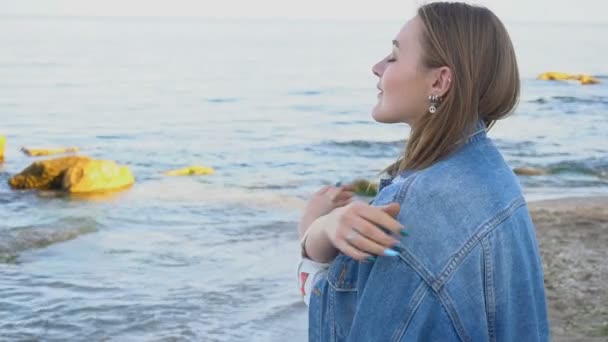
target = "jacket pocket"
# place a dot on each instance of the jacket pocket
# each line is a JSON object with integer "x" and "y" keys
{"x": 342, "y": 295}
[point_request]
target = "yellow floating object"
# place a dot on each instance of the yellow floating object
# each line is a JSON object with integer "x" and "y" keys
{"x": 33, "y": 152}
{"x": 74, "y": 174}
{"x": 192, "y": 170}
{"x": 2, "y": 145}
{"x": 562, "y": 76}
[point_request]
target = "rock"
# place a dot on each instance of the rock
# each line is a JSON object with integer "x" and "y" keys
{"x": 365, "y": 188}
{"x": 95, "y": 176}
{"x": 74, "y": 174}
{"x": 45, "y": 174}
{"x": 562, "y": 76}
{"x": 191, "y": 170}
{"x": 2, "y": 144}
{"x": 528, "y": 171}
{"x": 32, "y": 152}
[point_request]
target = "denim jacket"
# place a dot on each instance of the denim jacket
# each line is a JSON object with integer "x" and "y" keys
{"x": 470, "y": 269}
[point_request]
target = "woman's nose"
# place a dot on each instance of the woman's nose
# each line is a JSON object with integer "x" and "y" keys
{"x": 378, "y": 69}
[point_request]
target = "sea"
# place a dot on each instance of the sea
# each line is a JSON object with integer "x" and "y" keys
{"x": 279, "y": 108}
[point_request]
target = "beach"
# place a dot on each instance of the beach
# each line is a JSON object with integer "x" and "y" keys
{"x": 572, "y": 235}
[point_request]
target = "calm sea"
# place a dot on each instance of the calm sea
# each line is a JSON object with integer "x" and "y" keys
{"x": 279, "y": 108}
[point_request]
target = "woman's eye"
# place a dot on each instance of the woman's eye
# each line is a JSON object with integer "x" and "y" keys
{"x": 391, "y": 59}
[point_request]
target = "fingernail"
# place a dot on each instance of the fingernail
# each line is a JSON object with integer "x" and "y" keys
{"x": 390, "y": 252}
{"x": 404, "y": 232}
{"x": 397, "y": 247}
{"x": 371, "y": 259}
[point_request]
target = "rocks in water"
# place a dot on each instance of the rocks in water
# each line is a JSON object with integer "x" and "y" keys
{"x": 562, "y": 76}
{"x": 97, "y": 175}
{"x": 73, "y": 174}
{"x": 45, "y": 174}
{"x": 33, "y": 152}
{"x": 529, "y": 171}
{"x": 191, "y": 170}
{"x": 365, "y": 188}
{"x": 2, "y": 145}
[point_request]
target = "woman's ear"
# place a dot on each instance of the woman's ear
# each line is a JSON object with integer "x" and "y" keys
{"x": 441, "y": 81}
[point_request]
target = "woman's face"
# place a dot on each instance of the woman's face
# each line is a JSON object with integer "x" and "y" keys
{"x": 403, "y": 81}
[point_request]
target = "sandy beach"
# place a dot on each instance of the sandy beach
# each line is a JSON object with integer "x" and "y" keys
{"x": 573, "y": 238}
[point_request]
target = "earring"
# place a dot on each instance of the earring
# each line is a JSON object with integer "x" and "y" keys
{"x": 434, "y": 102}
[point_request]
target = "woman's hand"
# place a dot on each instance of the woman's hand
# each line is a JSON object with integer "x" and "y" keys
{"x": 323, "y": 202}
{"x": 362, "y": 231}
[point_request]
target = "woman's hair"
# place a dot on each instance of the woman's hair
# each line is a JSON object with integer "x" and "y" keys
{"x": 475, "y": 45}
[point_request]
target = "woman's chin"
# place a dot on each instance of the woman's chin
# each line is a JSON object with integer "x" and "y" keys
{"x": 381, "y": 116}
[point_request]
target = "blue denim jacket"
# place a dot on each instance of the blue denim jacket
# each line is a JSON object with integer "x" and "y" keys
{"x": 469, "y": 271}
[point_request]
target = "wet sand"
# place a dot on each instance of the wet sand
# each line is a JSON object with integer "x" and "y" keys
{"x": 573, "y": 238}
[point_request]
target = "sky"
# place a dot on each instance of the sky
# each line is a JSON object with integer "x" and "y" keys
{"x": 507, "y": 10}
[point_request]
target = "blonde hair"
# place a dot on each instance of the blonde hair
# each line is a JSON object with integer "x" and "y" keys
{"x": 475, "y": 45}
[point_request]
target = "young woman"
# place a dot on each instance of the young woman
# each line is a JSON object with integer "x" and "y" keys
{"x": 447, "y": 250}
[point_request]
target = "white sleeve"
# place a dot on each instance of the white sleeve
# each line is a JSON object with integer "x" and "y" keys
{"x": 309, "y": 272}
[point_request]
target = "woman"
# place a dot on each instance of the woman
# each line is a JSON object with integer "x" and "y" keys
{"x": 447, "y": 250}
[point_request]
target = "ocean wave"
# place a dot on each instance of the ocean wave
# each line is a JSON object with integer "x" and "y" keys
{"x": 591, "y": 166}
{"x": 591, "y": 100}
{"x": 359, "y": 148}
{"x": 306, "y": 92}
{"x": 16, "y": 240}
{"x": 222, "y": 100}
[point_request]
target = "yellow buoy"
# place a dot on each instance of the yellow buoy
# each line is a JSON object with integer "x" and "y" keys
{"x": 33, "y": 152}
{"x": 191, "y": 170}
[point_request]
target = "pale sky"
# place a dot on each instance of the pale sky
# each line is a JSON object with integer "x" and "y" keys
{"x": 508, "y": 10}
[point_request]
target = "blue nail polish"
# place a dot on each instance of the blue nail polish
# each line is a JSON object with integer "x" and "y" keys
{"x": 390, "y": 252}
{"x": 371, "y": 259}
{"x": 404, "y": 232}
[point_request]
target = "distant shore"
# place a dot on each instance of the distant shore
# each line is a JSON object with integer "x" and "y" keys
{"x": 573, "y": 238}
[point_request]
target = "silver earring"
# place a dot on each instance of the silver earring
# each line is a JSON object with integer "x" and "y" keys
{"x": 434, "y": 102}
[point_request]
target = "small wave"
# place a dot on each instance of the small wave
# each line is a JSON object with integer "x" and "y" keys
{"x": 17, "y": 240}
{"x": 200, "y": 193}
{"x": 115, "y": 137}
{"x": 222, "y": 100}
{"x": 526, "y": 148}
{"x": 586, "y": 167}
{"x": 353, "y": 122}
{"x": 307, "y": 108}
{"x": 593, "y": 167}
{"x": 307, "y": 92}
{"x": 592, "y": 100}
{"x": 359, "y": 148}
{"x": 364, "y": 144}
